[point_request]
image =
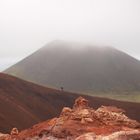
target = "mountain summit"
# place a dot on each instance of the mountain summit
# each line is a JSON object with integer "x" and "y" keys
{"x": 80, "y": 67}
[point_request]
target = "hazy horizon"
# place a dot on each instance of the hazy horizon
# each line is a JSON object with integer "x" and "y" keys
{"x": 26, "y": 25}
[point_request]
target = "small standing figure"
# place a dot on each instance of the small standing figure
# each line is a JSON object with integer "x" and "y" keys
{"x": 62, "y": 89}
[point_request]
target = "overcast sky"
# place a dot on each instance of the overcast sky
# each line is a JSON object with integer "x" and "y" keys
{"x": 26, "y": 25}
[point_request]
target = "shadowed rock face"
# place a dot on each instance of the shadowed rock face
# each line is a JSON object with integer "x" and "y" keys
{"x": 61, "y": 64}
{"x": 84, "y": 123}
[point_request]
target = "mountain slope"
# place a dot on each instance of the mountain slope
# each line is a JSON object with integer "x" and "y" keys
{"x": 23, "y": 103}
{"x": 63, "y": 64}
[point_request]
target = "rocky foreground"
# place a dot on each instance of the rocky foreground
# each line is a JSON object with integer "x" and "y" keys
{"x": 82, "y": 123}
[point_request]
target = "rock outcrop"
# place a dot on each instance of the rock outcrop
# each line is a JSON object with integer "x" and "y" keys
{"x": 14, "y": 132}
{"x": 83, "y": 123}
{"x": 4, "y": 136}
{"x": 121, "y": 135}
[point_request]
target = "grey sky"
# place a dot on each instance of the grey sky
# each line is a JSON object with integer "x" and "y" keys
{"x": 26, "y": 25}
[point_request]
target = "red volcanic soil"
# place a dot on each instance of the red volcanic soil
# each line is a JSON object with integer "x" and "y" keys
{"x": 83, "y": 123}
{"x": 23, "y": 104}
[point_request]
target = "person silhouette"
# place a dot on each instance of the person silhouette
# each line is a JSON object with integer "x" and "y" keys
{"x": 62, "y": 89}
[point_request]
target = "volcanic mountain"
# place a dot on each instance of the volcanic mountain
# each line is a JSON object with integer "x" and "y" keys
{"x": 80, "y": 68}
{"x": 23, "y": 103}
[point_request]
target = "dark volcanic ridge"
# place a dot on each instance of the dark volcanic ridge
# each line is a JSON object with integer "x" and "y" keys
{"x": 89, "y": 69}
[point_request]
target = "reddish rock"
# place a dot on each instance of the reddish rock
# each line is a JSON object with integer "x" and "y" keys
{"x": 121, "y": 135}
{"x": 80, "y": 103}
{"x": 84, "y": 123}
{"x": 4, "y": 136}
{"x": 14, "y": 131}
